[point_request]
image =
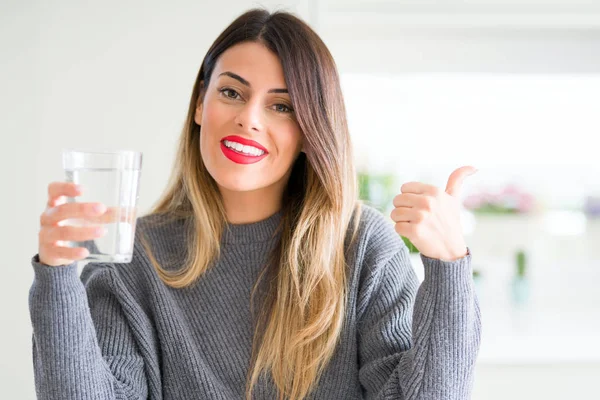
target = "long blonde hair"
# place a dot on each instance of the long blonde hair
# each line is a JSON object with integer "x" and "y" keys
{"x": 303, "y": 312}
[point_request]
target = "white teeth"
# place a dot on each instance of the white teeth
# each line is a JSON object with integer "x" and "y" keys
{"x": 250, "y": 150}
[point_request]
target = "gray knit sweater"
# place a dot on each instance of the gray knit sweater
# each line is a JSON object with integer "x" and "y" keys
{"x": 118, "y": 332}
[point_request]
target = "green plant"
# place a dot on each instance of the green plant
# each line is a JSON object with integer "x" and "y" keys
{"x": 377, "y": 190}
{"x": 521, "y": 263}
{"x": 411, "y": 247}
{"x": 494, "y": 209}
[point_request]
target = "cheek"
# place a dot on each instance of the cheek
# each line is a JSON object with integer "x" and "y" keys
{"x": 214, "y": 116}
{"x": 214, "y": 120}
{"x": 293, "y": 142}
{"x": 288, "y": 138}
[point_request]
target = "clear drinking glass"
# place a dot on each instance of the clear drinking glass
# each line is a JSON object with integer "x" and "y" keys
{"x": 111, "y": 178}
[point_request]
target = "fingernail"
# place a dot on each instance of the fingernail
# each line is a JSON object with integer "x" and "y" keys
{"x": 101, "y": 231}
{"x": 99, "y": 208}
{"x": 78, "y": 188}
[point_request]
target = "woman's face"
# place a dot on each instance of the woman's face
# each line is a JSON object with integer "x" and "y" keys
{"x": 249, "y": 134}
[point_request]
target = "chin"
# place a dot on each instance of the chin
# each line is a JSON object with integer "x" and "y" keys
{"x": 238, "y": 183}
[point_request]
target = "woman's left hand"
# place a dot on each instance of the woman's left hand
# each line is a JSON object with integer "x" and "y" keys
{"x": 430, "y": 217}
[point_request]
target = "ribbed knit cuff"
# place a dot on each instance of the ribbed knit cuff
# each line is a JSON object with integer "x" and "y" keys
{"x": 59, "y": 279}
{"x": 448, "y": 275}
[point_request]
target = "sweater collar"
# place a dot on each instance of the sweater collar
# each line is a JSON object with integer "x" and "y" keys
{"x": 253, "y": 232}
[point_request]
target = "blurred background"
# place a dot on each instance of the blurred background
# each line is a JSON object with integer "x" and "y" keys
{"x": 511, "y": 87}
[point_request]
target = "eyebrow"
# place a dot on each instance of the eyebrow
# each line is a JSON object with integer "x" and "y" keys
{"x": 246, "y": 83}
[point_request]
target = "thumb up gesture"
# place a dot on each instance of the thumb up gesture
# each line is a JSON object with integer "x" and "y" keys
{"x": 430, "y": 217}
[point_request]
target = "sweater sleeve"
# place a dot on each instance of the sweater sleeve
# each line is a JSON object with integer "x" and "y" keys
{"x": 419, "y": 342}
{"x": 83, "y": 347}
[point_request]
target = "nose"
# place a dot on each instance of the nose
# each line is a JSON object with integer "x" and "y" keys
{"x": 250, "y": 117}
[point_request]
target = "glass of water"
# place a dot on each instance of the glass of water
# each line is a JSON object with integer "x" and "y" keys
{"x": 111, "y": 178}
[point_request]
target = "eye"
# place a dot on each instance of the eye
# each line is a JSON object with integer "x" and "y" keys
{"x": 229, "y": 93}
{"x": 282, "y": 108}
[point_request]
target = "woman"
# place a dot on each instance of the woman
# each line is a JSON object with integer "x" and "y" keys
{"x": 259, "y": 274}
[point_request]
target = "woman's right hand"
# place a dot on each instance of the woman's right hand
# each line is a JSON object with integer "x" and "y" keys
{"x": 52, "y": 249}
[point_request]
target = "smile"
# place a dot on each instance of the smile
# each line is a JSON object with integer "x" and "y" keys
{"x": 242, "y": 151}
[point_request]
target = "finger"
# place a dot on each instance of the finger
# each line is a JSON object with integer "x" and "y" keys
{"x": 51, "y": 235}
{"x": 115, "y": 214}
{"x": 54, "y": 215}
{"x": 400, "y": 214}
{"x": 419, "y": 188}
{"x": 405, "y": 214}
{"x": 405, "y": 229}
{"x": 410, "y": 200}
{"x": 56, "y": 190}
{"x": 456, "y": 179}
{"x": 67, "y": 253}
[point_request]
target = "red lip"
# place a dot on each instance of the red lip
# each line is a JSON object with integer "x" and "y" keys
{"x": 240, "y": 158}
{"x": 247, "y": 142}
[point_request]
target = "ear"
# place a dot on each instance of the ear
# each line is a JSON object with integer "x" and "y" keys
{"x": 199, "y": 105}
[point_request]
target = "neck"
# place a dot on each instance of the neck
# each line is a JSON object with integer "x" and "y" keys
{"x": 251, "y": 206}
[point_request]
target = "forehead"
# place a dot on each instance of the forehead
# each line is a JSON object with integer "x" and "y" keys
{"x": 253, "y": 62}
